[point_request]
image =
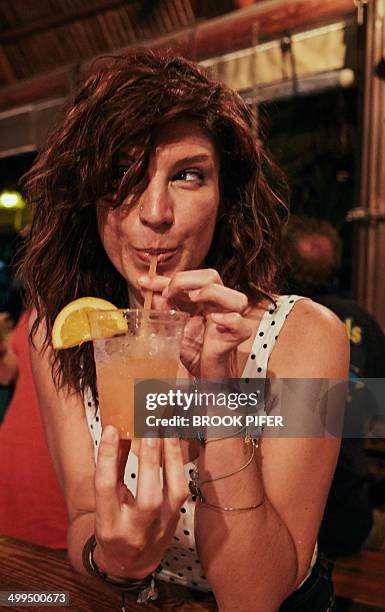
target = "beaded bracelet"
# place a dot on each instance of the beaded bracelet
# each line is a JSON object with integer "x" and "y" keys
{"x": 145, "y": 586}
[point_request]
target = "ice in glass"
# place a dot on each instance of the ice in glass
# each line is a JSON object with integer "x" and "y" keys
{"x": 129, "y": 345}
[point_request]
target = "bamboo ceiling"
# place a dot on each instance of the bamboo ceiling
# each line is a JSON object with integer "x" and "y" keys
{"x": 38, "y": 36}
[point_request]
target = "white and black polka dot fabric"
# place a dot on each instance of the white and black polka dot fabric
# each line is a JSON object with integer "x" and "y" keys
{"x": 269, "y": 328}
{"x": 180, "y": 563}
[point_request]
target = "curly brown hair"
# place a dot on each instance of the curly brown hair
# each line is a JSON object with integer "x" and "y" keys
{"x": 124, "y": 102}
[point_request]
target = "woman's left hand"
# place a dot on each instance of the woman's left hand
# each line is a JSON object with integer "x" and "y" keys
{"x": 216, "y": 326}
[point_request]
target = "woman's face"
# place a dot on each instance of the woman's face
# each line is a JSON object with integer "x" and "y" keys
{"x": 175, "y": 215}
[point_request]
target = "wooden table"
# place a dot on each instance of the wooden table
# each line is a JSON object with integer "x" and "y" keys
{"x": 361, "y": 578}
{"x": 26, "y": 567}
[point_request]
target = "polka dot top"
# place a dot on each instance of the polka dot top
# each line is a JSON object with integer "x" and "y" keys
{"x": 180, "y": 563}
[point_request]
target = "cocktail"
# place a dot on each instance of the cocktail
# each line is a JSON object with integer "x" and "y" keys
{"x": 129, "y": 345}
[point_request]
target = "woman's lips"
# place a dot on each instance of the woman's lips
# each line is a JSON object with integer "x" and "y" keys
{"x": 163, "y": 255}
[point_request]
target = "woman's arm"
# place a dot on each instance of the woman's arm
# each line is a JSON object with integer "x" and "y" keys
{"x": 70, "y": 447}
{"x": 255, "y": 559}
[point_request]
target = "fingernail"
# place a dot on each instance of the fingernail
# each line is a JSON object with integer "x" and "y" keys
{"x": 194, "y": 294}
{"x": 109, "y": 434}
{"x": 150, "y": 442}
{"x": 217, "y": 316}
{"x": 142, "y": 280}
{"x": 165, "y": 292}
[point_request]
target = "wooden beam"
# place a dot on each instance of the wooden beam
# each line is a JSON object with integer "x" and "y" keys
{"x": 243, "y": 3}
{"x": 236, "y": 30}
{"x": 54, "y": 84}
{"x": 212, "y": 38}
{"x": 61, "y": 18}
{"x": 370, "y": 224}
{"x": 6, "y": 73}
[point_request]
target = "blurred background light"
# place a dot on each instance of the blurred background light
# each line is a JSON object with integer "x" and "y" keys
{"x": 11, "y": 200}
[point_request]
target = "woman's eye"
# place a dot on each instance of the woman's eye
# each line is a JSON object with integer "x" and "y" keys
{"x": 118, "y": 175}
{"x": 190, "y": 176}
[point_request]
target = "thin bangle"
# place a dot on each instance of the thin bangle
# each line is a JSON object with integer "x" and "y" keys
{"x": 205, "y": 441}
{"x": 232, "y": 509}
{"x": 195, "y": 486}
{"x": 254, "y": 445}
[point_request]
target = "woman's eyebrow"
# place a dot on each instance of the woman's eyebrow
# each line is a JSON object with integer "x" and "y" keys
{"x": 193, "y": 159}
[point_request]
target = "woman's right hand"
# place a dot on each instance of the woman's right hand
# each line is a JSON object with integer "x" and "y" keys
{"x": 133, "y": 532}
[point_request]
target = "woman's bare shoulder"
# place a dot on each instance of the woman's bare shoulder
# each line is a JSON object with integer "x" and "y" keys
{"x": 305, "y": 313}
{"x": 314, "y": 319}
{"x": 312, "y": 343}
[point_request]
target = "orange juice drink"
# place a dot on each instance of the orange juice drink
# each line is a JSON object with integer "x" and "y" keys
{"x": 149, "y": 348}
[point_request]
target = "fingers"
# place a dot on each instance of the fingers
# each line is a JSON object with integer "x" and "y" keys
{"x": 232, "y": 326}
{"x": 175, "y": 483}
{"x": 124, "y": 449}
{"x": 106, "y": 476}
{"x": 204, "y": 288}
{"x": 195, "y": 291}
{"x": 217, "y": 296}
{"x": 149, "y": 493}
{"x": 190, "y": 280}
{"x": 224, "y": 333}
{"x": 156, "y": 283}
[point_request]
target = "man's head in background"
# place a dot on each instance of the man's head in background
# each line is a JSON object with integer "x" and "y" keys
{"x": 311, "y": 256}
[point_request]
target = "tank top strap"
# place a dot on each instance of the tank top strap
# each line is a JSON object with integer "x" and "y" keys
{"x": 267, "y": 334}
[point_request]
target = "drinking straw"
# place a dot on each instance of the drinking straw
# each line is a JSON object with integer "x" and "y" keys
{"x": 151, "y": 273}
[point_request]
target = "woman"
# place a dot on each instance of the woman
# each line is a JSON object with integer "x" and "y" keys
{"x": 155, "y": 157}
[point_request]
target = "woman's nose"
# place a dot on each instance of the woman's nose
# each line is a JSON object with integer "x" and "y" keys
{"x": 155, "y": 207}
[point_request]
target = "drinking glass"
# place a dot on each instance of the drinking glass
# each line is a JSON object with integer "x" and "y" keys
{"x": 132, "y": 344}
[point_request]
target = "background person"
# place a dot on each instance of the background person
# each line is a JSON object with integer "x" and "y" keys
{"x": 32, "y": 506}
{"x": 7, "y": 363}
{"x": 311, "y": 255}
{"x": 311, "y": 252}
{"x": 11, "y": 293}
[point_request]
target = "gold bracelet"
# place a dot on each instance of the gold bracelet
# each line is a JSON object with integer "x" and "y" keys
{"x": 205, "y": 441}
{"x": 195, "y": 486}
{"x": 231, "y": 509}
